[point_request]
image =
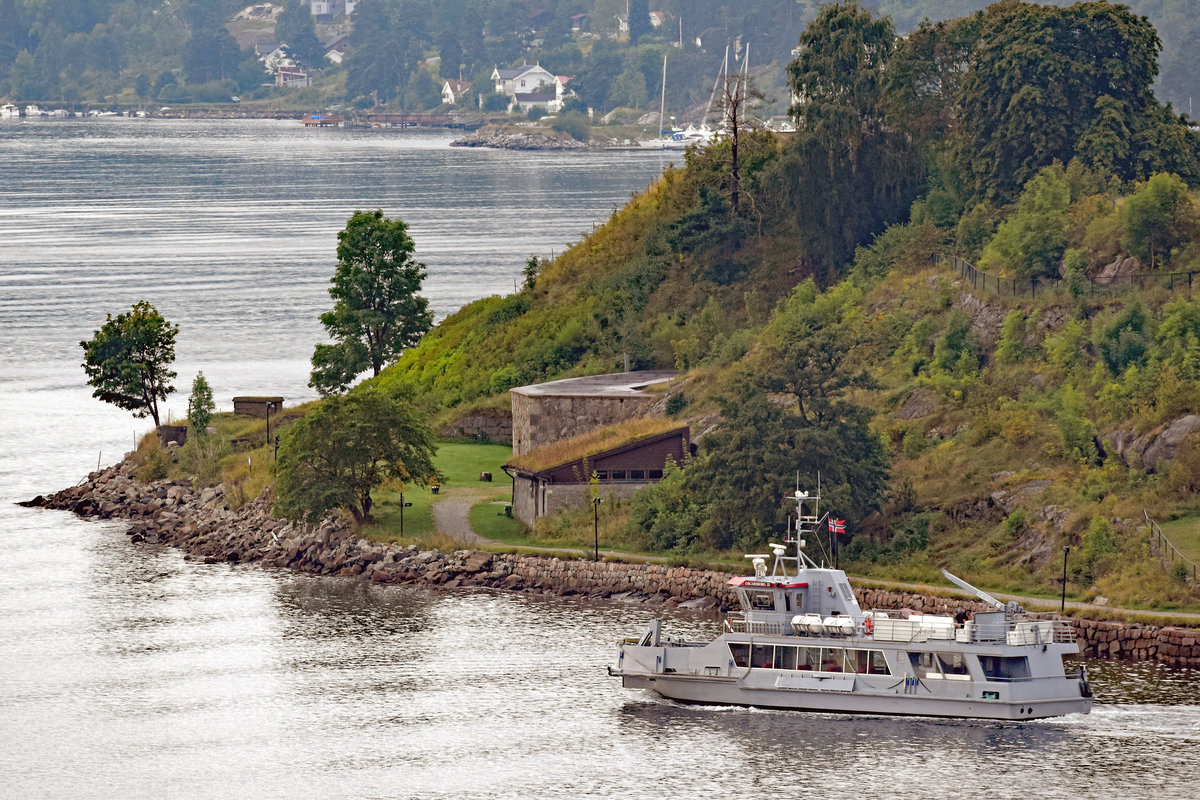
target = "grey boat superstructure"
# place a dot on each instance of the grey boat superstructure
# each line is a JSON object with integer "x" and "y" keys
{"x": 801, "y": 642}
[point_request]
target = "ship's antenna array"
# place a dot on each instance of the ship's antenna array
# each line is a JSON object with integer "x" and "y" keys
{"x": 808, "y": 524}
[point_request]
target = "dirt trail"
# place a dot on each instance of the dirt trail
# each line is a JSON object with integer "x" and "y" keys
{"x": 452, "y": 514}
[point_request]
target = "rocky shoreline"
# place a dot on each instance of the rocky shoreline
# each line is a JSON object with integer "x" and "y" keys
{"x": 515, "y": 140}
{"x": 205, "y": 526}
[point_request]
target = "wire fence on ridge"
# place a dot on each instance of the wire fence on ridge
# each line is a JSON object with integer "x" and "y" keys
{"x": 1033, "y": 287}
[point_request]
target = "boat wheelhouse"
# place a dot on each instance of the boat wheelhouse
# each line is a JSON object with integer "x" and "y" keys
{"x": 801, "y": 642}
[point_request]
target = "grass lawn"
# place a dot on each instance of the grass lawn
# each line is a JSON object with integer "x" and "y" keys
{"x": 1185, "y": 534}
{"x": 490, "y": 522}
{"x": 460, "y": 464}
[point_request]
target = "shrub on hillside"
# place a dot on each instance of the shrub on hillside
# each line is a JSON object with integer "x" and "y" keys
{"x": 574, "y": 125}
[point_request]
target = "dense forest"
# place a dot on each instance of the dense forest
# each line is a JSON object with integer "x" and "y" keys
{"x": 953, "y": 425}
{"x": 136, "y": 51}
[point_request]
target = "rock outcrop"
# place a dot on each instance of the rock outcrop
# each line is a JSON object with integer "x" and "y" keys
{"x": 513, "y": 140}
{"x": 1152, "y": 450}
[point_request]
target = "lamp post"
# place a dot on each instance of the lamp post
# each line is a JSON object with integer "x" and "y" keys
{"x": 1063, "y": 606}
{"x": 402, "y": 505}
{"x": 596, "y": 526}
{"x": 270, "y": 408}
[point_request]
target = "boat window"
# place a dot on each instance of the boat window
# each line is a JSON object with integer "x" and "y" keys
{"x": 809, "y": 658}
{"x": 923, "y": 665}
{"x": 833, "y": 659}
{"x": 799, "y": 601}
{"x": 1005, "y": 667}
{"x": 868, "y": 662}
{"x": 761, "y": 601}
{"x": 952, "y": 663}
{"x": 785, "y": 657}
{"x": 740, "y": 651}
{"x": 762, "y": 655}
{"x": 787, "y": 601}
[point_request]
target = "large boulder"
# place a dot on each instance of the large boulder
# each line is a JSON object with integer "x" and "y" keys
{"x": 1164, "y": 446}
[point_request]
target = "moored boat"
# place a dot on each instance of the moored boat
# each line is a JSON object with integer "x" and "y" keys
{"x": 9, "y": 111}
{"x": 801, "y": 642}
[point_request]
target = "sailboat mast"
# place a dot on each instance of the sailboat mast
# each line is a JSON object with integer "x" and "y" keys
{"x": 716, "y": 83}
{"x": 662, "y": 102}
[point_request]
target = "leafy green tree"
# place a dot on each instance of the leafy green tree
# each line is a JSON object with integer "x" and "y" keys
{"x": 374, "y": 65}
{"x": 858, "y": 174}
{"x": 1126, "y": 340}
{"x": 1031, "y": 242}
{"x": 531, "y": 270}
{"x": 128, "y": 360}
{"x": 200, "y": 405}
{"x": 629, "y": 89}
{"x": 211, "y": 54}
{"x": 837, "y": 77}
{"x": 1159, "y": 217}
{"x": 1046, "y": 83}
{"x": 811, "y": 347}
{"x": 752, "y": 460}
{"x": 639, "y": 20}
{"x": 1178, "y": 336}
{"x": 294, "y": 27}
{"x": 1074, "y": 428}
{"x": 337, "y": 454}
{"x": 924, "y": 76}
{"x": 377, "y": 312}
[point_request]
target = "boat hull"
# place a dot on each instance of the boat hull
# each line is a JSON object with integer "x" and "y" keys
{"x": 708, "y": 692}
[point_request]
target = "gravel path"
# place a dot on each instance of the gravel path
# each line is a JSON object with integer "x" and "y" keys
{"x": 452, "y": 514}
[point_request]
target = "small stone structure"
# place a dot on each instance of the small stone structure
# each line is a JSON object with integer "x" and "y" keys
{"x": 172, "y": 433}
{"x": 547, "y": 412}
{"x": 257, "y": 406}
{"x": 485, "y": 424}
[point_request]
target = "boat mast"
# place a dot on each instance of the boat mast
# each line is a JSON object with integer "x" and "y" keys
{"x": 662, "y": 102}
{"x": 716, "y": 83}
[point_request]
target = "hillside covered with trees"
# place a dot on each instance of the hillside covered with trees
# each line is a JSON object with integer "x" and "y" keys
{"x": 954, "y": 426}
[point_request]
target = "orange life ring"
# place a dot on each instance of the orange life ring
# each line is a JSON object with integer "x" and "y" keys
{"x": 868, "y": 626}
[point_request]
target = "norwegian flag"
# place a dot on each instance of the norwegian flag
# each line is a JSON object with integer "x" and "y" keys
{"x": 837, "y": 525}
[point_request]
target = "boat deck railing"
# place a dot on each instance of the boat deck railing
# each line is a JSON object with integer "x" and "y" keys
{"x": 736, "y": 622}
{"x": 1013, "y": 630}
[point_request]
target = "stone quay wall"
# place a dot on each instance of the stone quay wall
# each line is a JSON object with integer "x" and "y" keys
{"x": 204, "y": 525}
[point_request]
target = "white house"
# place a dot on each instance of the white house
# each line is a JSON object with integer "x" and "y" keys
{"x": 530, "y": 86}
{"x": 273, "y": 56}
{"x": 453, "y": 91}
{"x": 329, "y": 10}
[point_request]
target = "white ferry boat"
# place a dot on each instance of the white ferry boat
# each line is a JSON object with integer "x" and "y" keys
{"x": 801, "y": 642}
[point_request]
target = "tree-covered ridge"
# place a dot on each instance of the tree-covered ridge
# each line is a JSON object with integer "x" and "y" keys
{"x": 951, "y": 427}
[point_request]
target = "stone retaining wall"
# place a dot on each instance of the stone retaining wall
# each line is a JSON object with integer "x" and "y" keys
{"x": 203, "y": 524}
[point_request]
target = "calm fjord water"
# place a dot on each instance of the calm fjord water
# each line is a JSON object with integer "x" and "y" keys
{"x": 126, "y": 671}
